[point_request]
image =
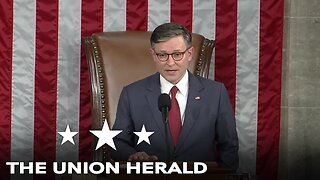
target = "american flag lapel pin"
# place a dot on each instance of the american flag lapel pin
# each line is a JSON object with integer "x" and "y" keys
{"x": 197, "y": 98}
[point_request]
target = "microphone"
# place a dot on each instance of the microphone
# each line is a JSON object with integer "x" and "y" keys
{"x": 164, "y": 104}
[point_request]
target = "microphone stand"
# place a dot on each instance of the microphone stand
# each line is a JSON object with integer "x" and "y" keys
{"x": 165, "y": 120}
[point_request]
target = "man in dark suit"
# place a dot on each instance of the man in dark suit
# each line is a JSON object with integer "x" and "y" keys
{"x": 201, "y": 116}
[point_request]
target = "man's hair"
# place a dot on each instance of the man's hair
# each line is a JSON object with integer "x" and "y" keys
{"x": 166, "y": 31}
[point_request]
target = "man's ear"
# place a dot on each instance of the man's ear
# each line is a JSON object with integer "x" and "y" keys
{"x": 152, "y": 51}
{"x": 191, "y": 52}
{"x": 153, "y": 54}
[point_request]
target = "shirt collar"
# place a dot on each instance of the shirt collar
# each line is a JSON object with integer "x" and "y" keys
{"x": 182, "y": 85}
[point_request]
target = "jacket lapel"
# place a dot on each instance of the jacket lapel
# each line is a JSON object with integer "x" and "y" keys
{"x": 192, "y": 109}
{"x": 152, "y": 95}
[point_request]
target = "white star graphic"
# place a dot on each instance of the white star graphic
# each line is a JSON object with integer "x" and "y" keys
{"x": 105, "y": 136}
{"x": 67, "y": 135}
{"x": 143, "y": 135}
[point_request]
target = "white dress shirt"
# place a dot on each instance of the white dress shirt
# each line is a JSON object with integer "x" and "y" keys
{"x": 182, "y": 94}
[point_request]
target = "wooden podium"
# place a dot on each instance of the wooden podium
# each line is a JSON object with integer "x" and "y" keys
{"x": 213, "y": 173}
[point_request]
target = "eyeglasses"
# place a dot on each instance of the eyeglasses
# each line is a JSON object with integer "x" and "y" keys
{"x": 177, "y": 56}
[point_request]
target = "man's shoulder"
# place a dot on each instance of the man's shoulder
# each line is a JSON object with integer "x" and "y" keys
{"x": 208, "y": 83}
{"x": 142, "y": 82}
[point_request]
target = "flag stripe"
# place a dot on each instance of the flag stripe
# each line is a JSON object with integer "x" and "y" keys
{"x": 6, "y": 33}
{"x": 23, "y": 67}
{"x": 247, "y": 83}
{"x": 226, "y": 42}
{"x": 137, "y": 15}
{"x": 204, "y": 21}
{"x": 91, "y": 21}
{"x": 271, "y": 39}
{"x": 68, "y": 77}
{"x": 181, "y": 12}
{"x": 114, "y": 15}
{"x": 158, "y": 13}
{"x": 204, "y": 17}
{"x": 46, "y": 80}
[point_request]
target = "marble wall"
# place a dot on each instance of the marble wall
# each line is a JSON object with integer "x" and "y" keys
{"x": 300, "y": 131}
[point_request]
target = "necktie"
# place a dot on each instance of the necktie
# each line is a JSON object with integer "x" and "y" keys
{"x": 175, "y": 117}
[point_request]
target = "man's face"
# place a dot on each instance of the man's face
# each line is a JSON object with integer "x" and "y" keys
{"x": 172, "y": 70}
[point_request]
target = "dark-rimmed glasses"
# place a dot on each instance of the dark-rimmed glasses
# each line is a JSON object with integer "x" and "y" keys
{"x": 177, "y": 56}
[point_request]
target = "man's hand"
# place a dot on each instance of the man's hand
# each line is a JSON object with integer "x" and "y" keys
{"x": 142, "y": 156}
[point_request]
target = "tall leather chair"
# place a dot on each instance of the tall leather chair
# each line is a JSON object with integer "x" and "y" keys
{"x": 117, "y": 59}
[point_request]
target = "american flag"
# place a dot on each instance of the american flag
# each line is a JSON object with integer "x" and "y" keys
{"x": 44, "y": 80}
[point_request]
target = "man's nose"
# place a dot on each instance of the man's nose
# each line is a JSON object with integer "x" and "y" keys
{"x": 170, "y": 61}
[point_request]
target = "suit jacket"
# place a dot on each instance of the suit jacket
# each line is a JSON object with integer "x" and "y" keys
{"x": 209, "y": 121}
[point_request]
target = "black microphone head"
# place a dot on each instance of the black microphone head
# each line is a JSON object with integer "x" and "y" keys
{"x": 164, "y": 101}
